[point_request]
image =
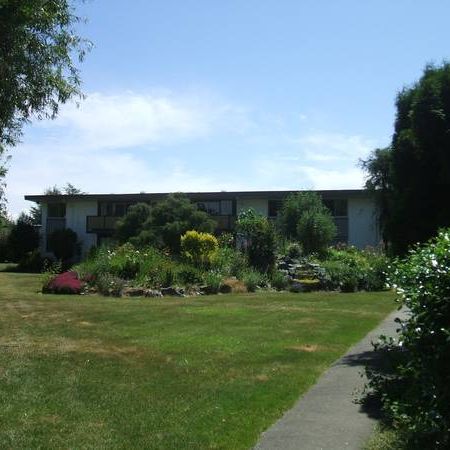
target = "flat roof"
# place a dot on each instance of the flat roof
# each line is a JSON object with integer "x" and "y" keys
{"x": 198, "y": 196}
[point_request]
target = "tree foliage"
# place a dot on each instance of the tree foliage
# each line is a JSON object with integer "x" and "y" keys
{"x": 378, "y": 181}
{"x": 304, "y": 218}
{"x": 63, "y": 244}
{"x": 23, "y": 237}
{"x": 315, "y": 230}
{"x": 415, "y": 390}
{"x": 37, "y": 70}
{"x": 412, "y": 178}
{"x": 163, "y": 224}
{"x": 38, "y": 50}
{"x": 260, "y": 239}
{"x": 131, "y": 225}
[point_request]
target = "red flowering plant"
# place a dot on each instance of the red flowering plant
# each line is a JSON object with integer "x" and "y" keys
{"x": 64, "y": 283}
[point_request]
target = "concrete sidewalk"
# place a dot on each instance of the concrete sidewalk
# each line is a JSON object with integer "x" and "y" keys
{"x": 327, "y": 417}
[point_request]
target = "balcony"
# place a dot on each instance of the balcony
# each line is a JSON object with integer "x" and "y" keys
{"x": 98, "y": 224}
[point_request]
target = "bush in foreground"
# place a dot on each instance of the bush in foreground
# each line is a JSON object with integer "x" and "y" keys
{"x": 416, "y": 393}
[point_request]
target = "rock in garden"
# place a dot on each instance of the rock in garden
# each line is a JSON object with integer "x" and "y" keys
{"x": 172, "y": 291}
{"x": 133, "y": 292}
{"x": 152, "y": 293}
{"x": 296, "y": 286}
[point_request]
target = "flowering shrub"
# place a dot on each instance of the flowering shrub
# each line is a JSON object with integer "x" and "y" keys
{"x": 109, "y": 285}
{"x": 64, "y": 283}
{"x": 198, "y": 247}
{"x": 416, "y": 394}
{"x": 350, "y": 268}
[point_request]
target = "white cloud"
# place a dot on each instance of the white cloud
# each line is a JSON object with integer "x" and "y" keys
{"x": 324, "y": 147}
{"x": 132, "y": 120}
{"x": 317, "y": 160}
{"x": 161, "y": 142}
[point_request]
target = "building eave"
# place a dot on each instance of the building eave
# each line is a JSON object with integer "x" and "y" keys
{"x": 196, "y": 196}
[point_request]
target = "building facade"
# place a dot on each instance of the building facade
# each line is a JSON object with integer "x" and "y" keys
{"x": 94, "y": 216}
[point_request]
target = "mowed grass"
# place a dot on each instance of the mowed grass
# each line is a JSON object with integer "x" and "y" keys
{"x": 206, "y": 372}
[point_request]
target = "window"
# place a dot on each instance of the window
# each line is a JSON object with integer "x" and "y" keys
{"x": 217, "y": 208}
{"x": 337, "y": 207}
{"x": 114, "y": 209}
{"x": 226, "y": 207}
{"x": 56, "y": 210}
{"x": 274, "y": 207}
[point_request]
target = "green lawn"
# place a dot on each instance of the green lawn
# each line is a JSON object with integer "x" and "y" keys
{"x": 205, "y": 372}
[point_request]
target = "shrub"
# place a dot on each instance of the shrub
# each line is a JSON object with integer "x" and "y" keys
{"x": 109, "y": 285}
{"x": 229, "y": 262}
{"x": 198, "y": 247}
{"x": 132, "y": 223}
{"x": 315, "y": 231}
{"x": 369, "y": 266}
{"x": 259, "y": 240}
{"x": 294, "y": 250}
{"x": 186, "y": 274}
{"x": 226, "y": 240}
{"x": 292, "y": 210}
{"x": 64, "y": 283}
{"x": 213, "y": 281}
{"x": 253, "y": 279}
{"x": 31, "y": 262}
{"x": 172, "y": 217}
{"x": 416, "y": 394}
{"x": 5, "y": 227}
{"x": 340, "y": 276}
{"x": 63, "y": 244}
{"x": 23, "y": 237}
{"x": 147, "y": 267}
{"x": 125, "y": 261}
{"x": 375, "y": 277}
{"x": 279, "y": 281}
{"x": 233, "y": 285}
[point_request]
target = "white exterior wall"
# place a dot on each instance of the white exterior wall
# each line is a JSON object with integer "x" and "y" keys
{"x": 261, "y": 206}
{"x": 43, "y": 230}
{"x": 362, "y": 223}
{"x": 76, "y": 213}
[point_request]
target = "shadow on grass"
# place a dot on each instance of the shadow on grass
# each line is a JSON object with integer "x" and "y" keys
{"x": 8, "y": 267}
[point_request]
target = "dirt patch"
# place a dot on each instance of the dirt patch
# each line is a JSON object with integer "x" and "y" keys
{"x": 262, "y": 378}
{"x": 279, "y": 307}
{"x": 309, "y": 348}
{"x": 49, "y": 419}
{"x": 67, "y": 345}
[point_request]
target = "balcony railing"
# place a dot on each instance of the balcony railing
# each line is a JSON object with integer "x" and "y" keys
{"x": 95, "y": 224}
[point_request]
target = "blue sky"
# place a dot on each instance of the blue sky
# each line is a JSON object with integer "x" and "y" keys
{"x": 199, "y": 95}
